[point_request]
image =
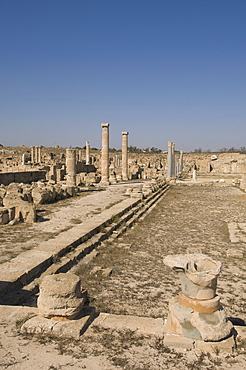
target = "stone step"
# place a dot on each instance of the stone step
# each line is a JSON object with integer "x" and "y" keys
{"x": 21, "y": 276}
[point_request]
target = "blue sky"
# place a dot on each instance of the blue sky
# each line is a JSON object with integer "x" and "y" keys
{"x": 160, "y": 69}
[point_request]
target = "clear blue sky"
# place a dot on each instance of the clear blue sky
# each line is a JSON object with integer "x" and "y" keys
{"x": 160, "y": 69}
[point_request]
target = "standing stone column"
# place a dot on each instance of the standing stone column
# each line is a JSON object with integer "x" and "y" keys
{"x": 173, "y": 160}
{"x": 87, "y": 152}
{"x": 39, "y": 154}
{"x": 177, "y": 168}
{"x": 23, "y": 159}
{"x": 105, "y": 152}
{"x": 125, "y": 155}
{"x": 71, "y": 166}
{"x": 194, "y": 175}
{"x": 181, "y": 161}
{"x": 169, "y": 159}
{"x": 32, "y": 154}
{"x": 36, "y": 154}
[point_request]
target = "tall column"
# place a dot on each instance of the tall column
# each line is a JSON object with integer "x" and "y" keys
{"x": 36, "y": 154}
{"x": 125, "y": 155}
{"x": 23, "y": 159}
{"x": 105, "y": 152}
{"x": 169, "y": 159}
{"x": 39, "y": 154}
{"x": 71, "y": 166}
{"x": 32, "y": 154}
{"x": 87, "y": 152}
{"x": 173, "y": 160}
{"x": 181, "y": 161}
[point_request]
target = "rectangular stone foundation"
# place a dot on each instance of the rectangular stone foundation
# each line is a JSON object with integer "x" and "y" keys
{"x": 69, "y": 328}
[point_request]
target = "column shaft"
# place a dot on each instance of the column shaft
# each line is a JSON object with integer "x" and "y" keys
{"x": 169, "y": 159}
{"x": 87, "y": 152}
{"x": 71, "y": 166}
{"x": 125, "y": 155}
{"x": 105, "y": 152}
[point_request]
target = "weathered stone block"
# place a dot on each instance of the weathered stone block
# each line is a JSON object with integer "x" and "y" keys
{"x": 178, "y": 341}
{"x": 60, "y": 295}
{"x": 4, "y": 216}
{"x": 225, "y": 346}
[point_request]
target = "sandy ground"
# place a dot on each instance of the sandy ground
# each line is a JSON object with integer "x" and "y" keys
{"x": 187, "y": 219}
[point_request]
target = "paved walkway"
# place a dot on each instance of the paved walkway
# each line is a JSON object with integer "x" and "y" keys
{"x": 58, "y": 217}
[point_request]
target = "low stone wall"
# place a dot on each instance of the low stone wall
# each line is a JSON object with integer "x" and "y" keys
{"x": 25, "y": 177}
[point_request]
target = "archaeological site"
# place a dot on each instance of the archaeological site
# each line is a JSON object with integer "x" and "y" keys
{"x": 118, "y": 260}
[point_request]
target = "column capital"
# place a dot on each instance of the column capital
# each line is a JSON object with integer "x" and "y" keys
{"x": 125, "y": 133}
{"x": 105, "y": 124}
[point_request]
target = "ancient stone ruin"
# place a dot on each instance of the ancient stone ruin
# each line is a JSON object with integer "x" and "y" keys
{"x": 60, "y": 307}
{"x": 196, "y": 312}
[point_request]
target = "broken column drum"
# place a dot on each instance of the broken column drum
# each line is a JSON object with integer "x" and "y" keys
{"x": 71, "y": 166}
{"x": 105, "y": 152}
{"x": 196, "y": 312}
{"x": 125, "y": 156}
{"x": 60, "y": 296}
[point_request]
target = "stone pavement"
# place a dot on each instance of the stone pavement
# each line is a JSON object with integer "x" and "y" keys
{"x": 58, "y": 217}
{"x": 187, "y": 219}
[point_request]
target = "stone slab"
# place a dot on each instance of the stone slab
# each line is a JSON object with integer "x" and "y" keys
{"x": 237, "y": 232}
{"x": 225, "y": 346}
{"x": 140, "y": 325}
{"x": 178, "y": 341}
{"x": 68, "y": 328}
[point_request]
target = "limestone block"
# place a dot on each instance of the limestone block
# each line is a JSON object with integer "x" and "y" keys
{"x": 2, "y": 191}
{"x": 178, "y": 341}
{"x": 63, "y": 328}
{"x": 11, "y": 211}
{"x": 12, "y": 199}
{"x": 13, "y": 187}
{"x": 202, "y": 306}
{"x": 213, "y": 326}
{"x": 128, "y": 191}
{"x": 40, "y": 195}
{"x": 60, "y": 295}
{"x": 225, "y": 346}
{"x": 4, "y": 216}
{"x": 137, "y": 324}
{"x": 25, "y": 212}
{"x": 137, "y": 195}
{"x": 52, "y": 193}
